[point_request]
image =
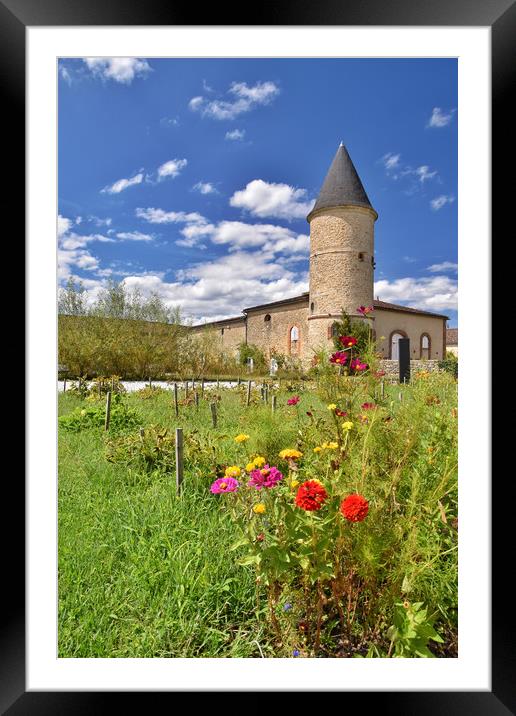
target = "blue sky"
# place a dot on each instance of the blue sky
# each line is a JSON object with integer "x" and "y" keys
{"x": 193, "y": 177}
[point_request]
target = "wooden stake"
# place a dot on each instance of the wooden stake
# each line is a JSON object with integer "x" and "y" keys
{"x": 202, "y": 388}
{"x": 179, "y": 459}
{"x": 186, "y": 389}
{"x": 176, "y": 405}
{"x": 108, "y": 410}
{"x": 218, "y": 384}
{"x": 196, "y": 399}
{"x": 248, "y": 392}
{"x": 383, "y": 388}
{"x": 142, "y": 433}
{"x": 273, "y": 403}
{"x": 150, "y": 382}
{"x": 213, "y": 407}
{"x": 64, "y": 385}
{"x": 266, "y": 394}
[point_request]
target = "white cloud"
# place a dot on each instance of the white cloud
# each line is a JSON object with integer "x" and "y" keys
{"x": 423, "y": 173}
{"x": 65, "y": 75}
{"x": 119, "y": 69}
{"x": 440, "y": 118}
{"x": 441, "y": 201}
{"x": 205, "y": 188}
{"x": 263, "y": 199}
{"x": 244, "y": 99}
{"x": 63, "y": 225}
{"x": 171, "y": 168}
{"x": 134, "y": 236}
{"x": 391, "y": 161}
{"x": 159, "y": 216}
{"x": 438, "y": 293}
{"x": 122, "y": 184}
{"x": 236, "y": 135}
{"x": 169, "y": 121}
{"x": 270, "y": 238}
{"x": 444, "y": 266}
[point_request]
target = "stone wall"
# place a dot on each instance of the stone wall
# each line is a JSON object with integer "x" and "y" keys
{"x": 274, "y": 335}
{"x": 392, "y": 370}
{"x": 227, "y": 335}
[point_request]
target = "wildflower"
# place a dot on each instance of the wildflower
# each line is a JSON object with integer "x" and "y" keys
{"x": 340, "y": 413}
{"x": 354, "y": 508}
{"x": 232, "y": 471}
{"x": 249, "y": 467}
{"x": 339, "y": 357}
{"x": 296, "y": 652}
{"x": 266, "y": 477}
{"x": 357, "y": 364}
{"x": 224, "y": 484}
{"x": 347, "y": 425}
{"x": 287, "y": 606}
{"x": 241, "y": 438}
{"x": 364, "y": 310}
{"x": 317, "y": 449}
{"x": 331, "y": 446}
{"x": 290, "y": 454}
{"x": 368, "y": 406}
{"x": 293, "y": 401}
{"x": 259, "y": 461}
{"x": 311, "y": 495}
{"x": 259, "y": 508}
{"x": 348, "y": 341}
{"x": 363, "y": 419}
{"x": 380, "y": 373}
{"x": 260, "y": 537}
{"x": 294, "y": 484}
{"x": 331, "y": 406}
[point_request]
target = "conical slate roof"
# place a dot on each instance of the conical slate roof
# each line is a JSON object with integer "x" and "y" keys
{"x": 342, "y": 185}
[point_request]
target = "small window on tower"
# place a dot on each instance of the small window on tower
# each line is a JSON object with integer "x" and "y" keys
{"x": 267, "y": 318}
{"x": 312, "y": 307}
{"x": 361, "y": 256}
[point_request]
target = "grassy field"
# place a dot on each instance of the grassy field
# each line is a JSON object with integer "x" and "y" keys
{"x": 145, "y": 573}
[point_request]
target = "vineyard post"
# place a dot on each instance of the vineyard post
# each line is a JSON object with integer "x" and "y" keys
{"x": 179, "y": 459}
{"x": 108, "y": 410}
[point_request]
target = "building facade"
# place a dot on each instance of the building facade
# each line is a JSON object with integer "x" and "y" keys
{"x": 341, "y": 277}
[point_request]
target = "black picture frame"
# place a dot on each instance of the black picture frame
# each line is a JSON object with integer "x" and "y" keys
{"x": 500, "y": 16}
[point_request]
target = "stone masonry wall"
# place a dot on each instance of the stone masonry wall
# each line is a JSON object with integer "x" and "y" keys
{"x": 274, "y": 335}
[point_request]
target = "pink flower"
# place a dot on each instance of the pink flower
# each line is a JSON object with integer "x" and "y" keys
{"x": 224, "y": 484}
{"x": 293, "y": 401}
{"x": 358, "y": 365}
{"x": 339, "y": 357}
{"x": 265, "y": 477}
{"x": 368, "y": 406}
{"x": 348, "y": 341}
{"x": 364, "y": 310}
{"x": 380, "y": 373}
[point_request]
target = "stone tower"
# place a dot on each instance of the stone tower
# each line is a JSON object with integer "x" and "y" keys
{"x": 341, "y": 249}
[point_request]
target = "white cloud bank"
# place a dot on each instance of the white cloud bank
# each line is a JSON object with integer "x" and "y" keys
{"x": 172, "y": 168}
{"x": 122, "y": 184}
{"x": 281, "y": 201}
{"x": 119, "y": 69}
{"x": 439, "y": 118}
{"x": 438, "y": 293}
{"x": 243, "y": 99}
{"x": 440, "y": 201}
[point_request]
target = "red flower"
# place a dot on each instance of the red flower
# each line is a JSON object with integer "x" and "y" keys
{"x": 354, "y": 508}
{"x": 311, "y": 495}
{"x": 364, "y": 310}
{"x": 339, "y": 357}
{"x": 260, "y": 537}
{"x": 380, "y": 373}
{"x": 368, "y": 406}
{"x": 340, "y": 413}
{"x": 293, "y": 401}
{"x": 358, "y": 365}
{"x": 348, "y": 341}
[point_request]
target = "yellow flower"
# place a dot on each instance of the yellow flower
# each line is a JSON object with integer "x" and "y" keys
{"x": 241, "y": 438}
{"x": 259, "y": 461}
{"x": 259, "y": 509}
{"x": 232, "y": 471}
{"x": 332, "y": 446}
{"x": 294, "y": 484}
{"x": 290, "y": 454}
{"x": 317, "y": 449}
{"x": 83, "y": 412}
{"x": 331, "y": 406}
{"x": 347, "y": 425}
{"x": 249, "y": 467}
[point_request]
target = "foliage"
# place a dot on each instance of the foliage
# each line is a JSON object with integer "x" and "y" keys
{"x": 249, "y": 350}
{"x": 410, "y": 632}
{"x": 358, "y": 328}
{"x": 93, "y": 417}
{"x": 450, "y": 364}
{"x": 150, "y": 449}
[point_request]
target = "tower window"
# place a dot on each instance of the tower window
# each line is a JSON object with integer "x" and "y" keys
{"x": 267, "y": 318}
{"x": 312, "y": 307}
{"x": 361, "y": 256}
{"x": 294, "y": 339}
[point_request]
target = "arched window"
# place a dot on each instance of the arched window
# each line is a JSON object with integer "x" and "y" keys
{"x": 294, "y": 339}
{"x": 267, "y": 318}
{"x": 332, "y": 330}
{"x": 393, "y": 344}
{"x": 312, "y": 307}
{"x": 425, "y": 346}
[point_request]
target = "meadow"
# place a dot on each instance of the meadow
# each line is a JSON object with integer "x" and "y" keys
{"x": 338, "y": 540}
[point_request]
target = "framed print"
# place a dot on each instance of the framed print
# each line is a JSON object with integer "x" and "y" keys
{"x": 216, "y": 184}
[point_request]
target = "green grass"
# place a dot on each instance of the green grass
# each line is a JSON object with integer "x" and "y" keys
{"x": 144, "y": 573}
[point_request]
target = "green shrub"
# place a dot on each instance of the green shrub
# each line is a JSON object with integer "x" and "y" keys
{"x": 450, "y": 364}
{"x": 150, "y": 449}
{"x": 93, "y": 417}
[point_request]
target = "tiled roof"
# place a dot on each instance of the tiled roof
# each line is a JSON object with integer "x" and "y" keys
{"x": 406, "y": 309}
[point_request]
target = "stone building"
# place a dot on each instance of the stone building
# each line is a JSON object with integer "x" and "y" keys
{"x": 341, "y": 277}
